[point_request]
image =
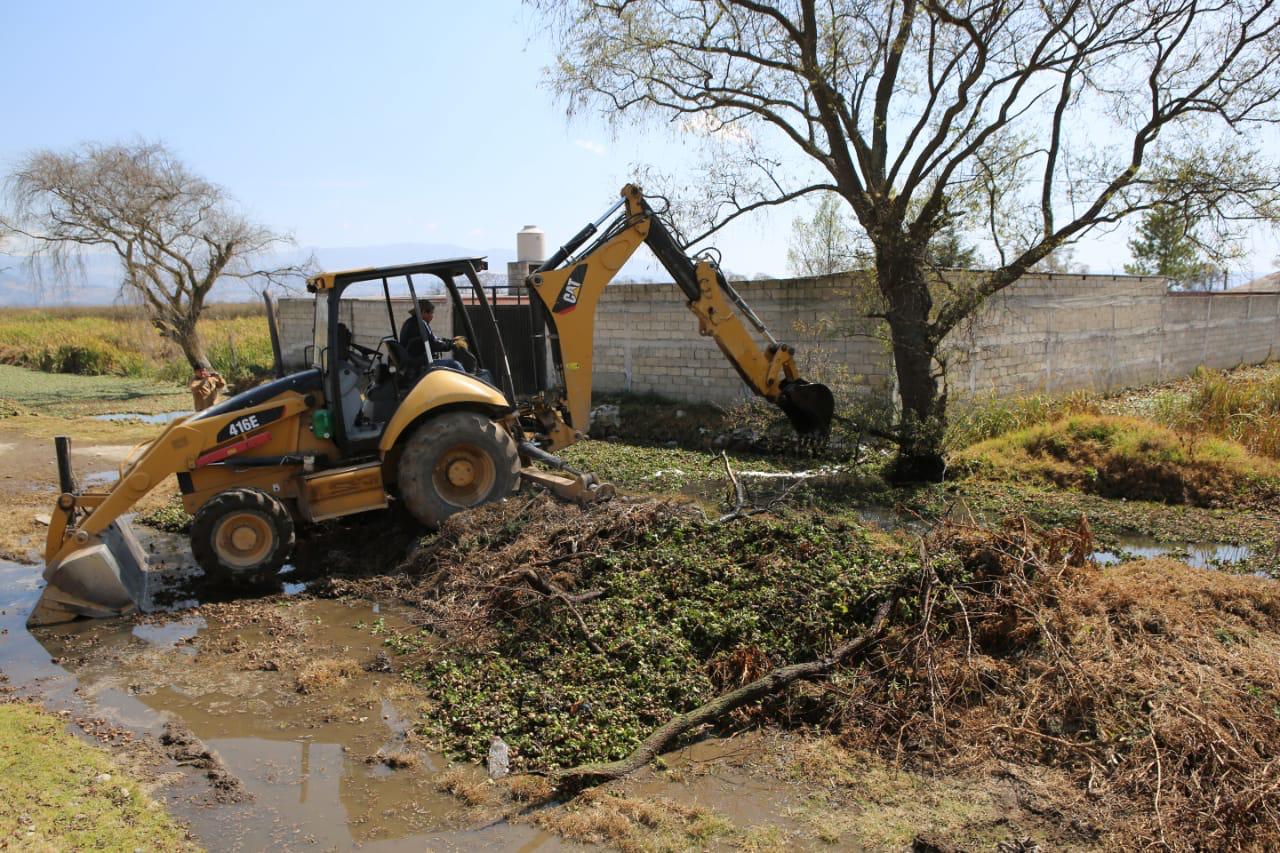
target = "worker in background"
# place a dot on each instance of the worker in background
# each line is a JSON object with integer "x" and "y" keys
{"x": 204, "y": 387}
{"x": 411, "y": 338}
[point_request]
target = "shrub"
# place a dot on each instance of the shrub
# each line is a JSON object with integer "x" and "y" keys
{"x": 982, "y": 418}
{"x": 1244, "y": 407}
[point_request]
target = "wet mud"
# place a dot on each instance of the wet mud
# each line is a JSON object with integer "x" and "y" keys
{"x": 253, "y": 755}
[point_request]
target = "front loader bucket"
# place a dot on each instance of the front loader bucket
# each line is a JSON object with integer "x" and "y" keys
{"x": 102, "y": 579}
{"x": 809, "y": 405}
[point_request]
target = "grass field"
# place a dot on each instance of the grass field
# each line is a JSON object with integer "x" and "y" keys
{"x": 68, "y": 395}
{"x": 121, "y": 342}
{"x": 61, "y": 794}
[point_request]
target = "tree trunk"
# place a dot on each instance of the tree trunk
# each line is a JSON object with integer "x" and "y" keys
{"x": 187, "y": 336}
{"x": 920, "y": 429}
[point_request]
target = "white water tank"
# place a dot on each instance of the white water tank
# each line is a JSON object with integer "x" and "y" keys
{"x": 531, "y": 244}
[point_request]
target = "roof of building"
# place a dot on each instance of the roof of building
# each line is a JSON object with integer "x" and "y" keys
{"x": 1266, "y": 284}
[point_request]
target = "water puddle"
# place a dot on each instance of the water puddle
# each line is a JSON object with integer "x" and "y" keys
{"x": 1200, "y": 555}
{"x": 98, "y": 479}
{"x": 158, "y": 418}
{"x": 717, "y": 774}
{"x": 288, "y": 693}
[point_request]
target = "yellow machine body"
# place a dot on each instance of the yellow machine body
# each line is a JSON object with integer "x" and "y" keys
{"x": 570, "y": 292}
{"x": 94, "y": 566}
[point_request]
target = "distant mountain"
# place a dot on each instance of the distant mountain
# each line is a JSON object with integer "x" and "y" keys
{"x": 99, "y": 283}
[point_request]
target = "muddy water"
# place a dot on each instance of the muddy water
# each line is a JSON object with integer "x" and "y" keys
{"x": 306, "y": 761}
{"x": 1200, "y": 555}
{"x": 159, "y": 418}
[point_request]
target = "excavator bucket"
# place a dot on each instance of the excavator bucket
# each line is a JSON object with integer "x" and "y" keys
{"x": 102, "y": 579}
{"x": 810, "y": 406}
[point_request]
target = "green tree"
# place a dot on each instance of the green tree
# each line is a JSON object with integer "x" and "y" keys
{"x": 830, "y": 242}
{"x": 1037, "y": 121}
{"x": 826, "y": 243}
{"x": 1166, "y": 245}
{"x": 948, "y": 250}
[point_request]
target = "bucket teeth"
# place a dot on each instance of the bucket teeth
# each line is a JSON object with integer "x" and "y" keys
{"x": 105, "y": 578}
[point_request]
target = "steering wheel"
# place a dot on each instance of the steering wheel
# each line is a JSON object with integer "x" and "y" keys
{"x": 364, "y": 351}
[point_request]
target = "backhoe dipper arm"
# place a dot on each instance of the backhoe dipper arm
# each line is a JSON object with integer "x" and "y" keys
{"x": 570, "y": 288}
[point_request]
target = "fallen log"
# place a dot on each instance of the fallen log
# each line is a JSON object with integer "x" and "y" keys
{"x": 587, "y": 775}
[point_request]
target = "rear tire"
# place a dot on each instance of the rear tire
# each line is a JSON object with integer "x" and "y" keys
{"x": 454, "y": 462}
{"x": 242, "y": 536}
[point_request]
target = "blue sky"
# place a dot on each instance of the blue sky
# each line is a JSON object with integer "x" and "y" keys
{"x": 352, "y": 124}
{"x": 347, "y": 124}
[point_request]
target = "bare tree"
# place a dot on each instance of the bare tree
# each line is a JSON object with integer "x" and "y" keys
{"x": 175, "y": 234}
{"x": 1038, "y": 121}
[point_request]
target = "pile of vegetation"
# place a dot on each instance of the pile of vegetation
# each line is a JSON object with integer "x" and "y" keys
{"x": 573, "y": 632}
{"x": 1149, "y": 692}
{"x": 1122, "y": 457}
{"x": 1154, "y": 685}
{"x": 121, "y": 342}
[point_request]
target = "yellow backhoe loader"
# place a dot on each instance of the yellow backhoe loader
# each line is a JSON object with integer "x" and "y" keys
{"x": 364, "y": 423}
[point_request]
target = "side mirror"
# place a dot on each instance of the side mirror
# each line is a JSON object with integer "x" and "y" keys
{"x": 308, "y": 354}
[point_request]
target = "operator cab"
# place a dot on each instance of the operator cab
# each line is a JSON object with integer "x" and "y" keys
{"x": 356, "y": 342}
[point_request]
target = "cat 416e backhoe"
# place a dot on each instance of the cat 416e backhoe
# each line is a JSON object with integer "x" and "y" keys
{"x": 363, "y": 423}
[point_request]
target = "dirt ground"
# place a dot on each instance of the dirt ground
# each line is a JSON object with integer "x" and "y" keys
{"x": 210, "y": 705}
{"x": 29, "y": 483}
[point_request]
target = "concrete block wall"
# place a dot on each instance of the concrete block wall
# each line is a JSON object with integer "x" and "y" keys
{"x": 647, "y": 340}
{"x": 1060, "y": 333}
{"x": 366, "y": 318}
{"x": 1053, "y": 333}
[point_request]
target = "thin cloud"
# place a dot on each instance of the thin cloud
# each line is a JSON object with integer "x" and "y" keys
{"x": 594, "y": 147}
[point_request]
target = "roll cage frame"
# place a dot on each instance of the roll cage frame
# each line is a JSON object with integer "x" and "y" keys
{"x": 331, "y": 286}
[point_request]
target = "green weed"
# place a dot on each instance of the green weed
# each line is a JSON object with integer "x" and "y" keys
{"x": 972, "y": 421}
{"x": 1127, "y": 458}
{"x": 69, "y": 395}
{"x": 678, "y": 598}
{"x": 119, "y": 342}
{"x": 62, "y": 794}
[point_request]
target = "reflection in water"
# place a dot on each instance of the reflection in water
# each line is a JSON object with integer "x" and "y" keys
{"x": 1201, "y": 555}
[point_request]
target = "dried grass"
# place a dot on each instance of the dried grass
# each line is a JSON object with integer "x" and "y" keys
{"x": 1156, "y": 686}
{"x": 1243, "y": 406}
{"x": 466, "y": 785}
{"x": 324, "y": 673}
{"x": 632, "y": 824}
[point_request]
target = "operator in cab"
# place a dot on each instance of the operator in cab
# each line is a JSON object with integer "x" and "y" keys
{"x": 411, "y": 338}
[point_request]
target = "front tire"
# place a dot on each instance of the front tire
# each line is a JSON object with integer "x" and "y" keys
{"x": 241, "y": 536}
{"x": 454, "y": 462}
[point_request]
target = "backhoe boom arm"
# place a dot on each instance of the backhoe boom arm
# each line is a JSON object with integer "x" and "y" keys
{"x": 570, "y": 287}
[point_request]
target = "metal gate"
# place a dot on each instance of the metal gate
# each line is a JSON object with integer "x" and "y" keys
{"x": 520, "y": 331}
